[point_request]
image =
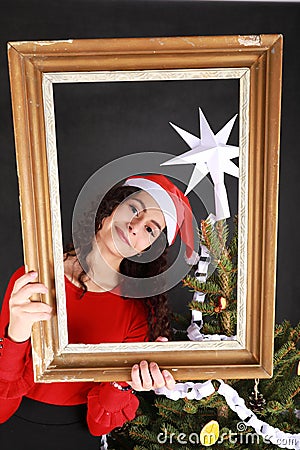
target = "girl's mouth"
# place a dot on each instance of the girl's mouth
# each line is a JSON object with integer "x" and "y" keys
{"x": 122, "y": 236}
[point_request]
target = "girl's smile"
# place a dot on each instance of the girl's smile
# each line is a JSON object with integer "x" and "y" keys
{"x": 122, "y": 235}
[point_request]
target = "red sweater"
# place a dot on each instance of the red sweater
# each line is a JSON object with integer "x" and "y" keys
{"x": 97, "y": 317}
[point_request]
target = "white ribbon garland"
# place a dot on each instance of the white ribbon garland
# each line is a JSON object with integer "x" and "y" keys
{"x": 197, "y": 391}
{"x": 201, "y": 275}
{"x": 190, "y": 390}
{"x": 103, "y": 442}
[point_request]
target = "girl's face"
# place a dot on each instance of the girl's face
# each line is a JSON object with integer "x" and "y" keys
{"x": 133, "y": 226}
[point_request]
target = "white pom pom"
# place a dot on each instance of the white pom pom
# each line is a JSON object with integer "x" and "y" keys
{"x": 193, "y": 259}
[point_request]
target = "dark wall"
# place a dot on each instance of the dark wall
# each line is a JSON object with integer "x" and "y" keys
{"x": 39, "y": 20}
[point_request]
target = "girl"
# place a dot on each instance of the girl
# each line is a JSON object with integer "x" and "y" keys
{"x": 103, "y": 305}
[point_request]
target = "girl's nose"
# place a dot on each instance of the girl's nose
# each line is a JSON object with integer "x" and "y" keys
{"x": 134, "y": 226}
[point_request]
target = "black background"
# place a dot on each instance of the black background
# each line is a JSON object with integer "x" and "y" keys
{"x": 96, "y": 123}
{"x": 40, "y": 20}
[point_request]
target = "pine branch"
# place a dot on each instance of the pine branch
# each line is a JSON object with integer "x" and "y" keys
{"x": 225, "y": 281}
{"x": 150, "y": 447}
{"x": 284, "y": 360}
{"x": 283, "y": 351}
{"x": 280, "y": 372}
{"x": 190, "y": 406}
{"x": 281, "y": 328}
{"x": 204, "y": 307}
{"x": 295, "y": 334}
{"x": 222, "y": 230}
{"x": 139, "y": 447}
{"x": 227, "y": 323}
{"x": 225, "y": 264}
{"x": 274, "y": 408}
{"x": 282, "y": 334}
{"x": 293, "y": 387}
{"x": 142, "y": 435}
{"x": 208, "y": 287}
{"x": 288, "y": 389}
{"x": 233, "y": 247}
{"x": 141, "y": 420}
{"x": 209, "y": 238}
{"x": 214, "y": 402}
{"x": 164, "y": 404}
{"x": 208, "y": 328}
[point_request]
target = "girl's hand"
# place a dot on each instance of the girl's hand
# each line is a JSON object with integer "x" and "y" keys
{"x": 23, "y": 311}
{"x": 145, "y": 377}
{"x": 161, "y": 339}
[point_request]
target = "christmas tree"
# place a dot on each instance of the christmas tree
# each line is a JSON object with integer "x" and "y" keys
{"x": 220, "y": 289}
{"x": 166, "y": 424}
{"x": 162, "y": 423}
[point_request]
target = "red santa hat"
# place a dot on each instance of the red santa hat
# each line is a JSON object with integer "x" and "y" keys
{"x": 175, "y": 207}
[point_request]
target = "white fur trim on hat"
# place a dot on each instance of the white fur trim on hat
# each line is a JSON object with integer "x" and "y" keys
{"x": 193, "y": 259}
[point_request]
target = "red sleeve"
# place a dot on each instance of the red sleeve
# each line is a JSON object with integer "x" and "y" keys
{"x": 109, "y": 407}
{"x": 16, "y": 376}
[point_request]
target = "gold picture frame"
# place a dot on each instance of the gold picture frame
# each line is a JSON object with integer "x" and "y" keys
{"x": 257, "y": 62}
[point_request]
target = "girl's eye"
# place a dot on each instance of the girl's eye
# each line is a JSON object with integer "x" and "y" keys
{"x": 134, "y": 210}
{"x": 149, "y": 230}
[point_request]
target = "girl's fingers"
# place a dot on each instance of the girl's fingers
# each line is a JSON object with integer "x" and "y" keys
{"x": 141, "y": 377}
{"x": 27, "y": 291}
{"x": 147, "y": 381}
{"x": 135, "y": 378}
{"x": 36, "y": 307}
{"x": 161, "y": 339}
{"x": 23, "y": 311}
{"x": 23, "y": 280}
{"x": 147, "y": 377}
{"x": 169, "y": 380}
{"x": 41, "y": 316}
{"x": 158, "y": 379}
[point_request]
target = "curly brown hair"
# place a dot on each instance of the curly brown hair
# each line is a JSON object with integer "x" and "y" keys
{"x": 159, "y": 314}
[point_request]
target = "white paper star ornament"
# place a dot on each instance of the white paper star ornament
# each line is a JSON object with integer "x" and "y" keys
{"x": 210, "y": 154}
